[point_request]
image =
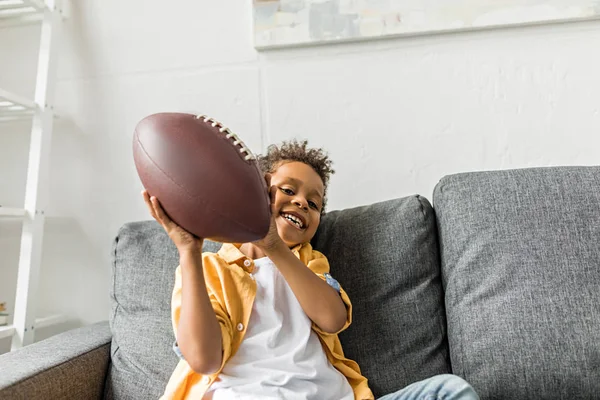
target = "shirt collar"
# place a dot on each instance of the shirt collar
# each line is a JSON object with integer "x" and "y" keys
{"x": 231, "y": 253}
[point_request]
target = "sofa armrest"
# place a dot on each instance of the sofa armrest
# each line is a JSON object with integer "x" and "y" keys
{"x": 71, "y": 365}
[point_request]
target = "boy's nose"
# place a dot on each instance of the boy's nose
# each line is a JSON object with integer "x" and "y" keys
{"x": 300, "y": 203}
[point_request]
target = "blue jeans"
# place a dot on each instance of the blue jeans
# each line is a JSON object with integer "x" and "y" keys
{"x": 440, "y": 387}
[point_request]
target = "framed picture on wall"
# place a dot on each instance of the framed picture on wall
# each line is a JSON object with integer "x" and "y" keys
{"x": 279, "y": 23}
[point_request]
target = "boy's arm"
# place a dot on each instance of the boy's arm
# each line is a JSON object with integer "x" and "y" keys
{"x": 320, "y": 302}
{"x": 198, "y": 332}
{"x": 197, "y": 327}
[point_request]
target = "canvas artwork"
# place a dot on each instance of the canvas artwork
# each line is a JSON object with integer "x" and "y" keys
{"x": 3, "y": 314}
{"x": 300, "y": 22}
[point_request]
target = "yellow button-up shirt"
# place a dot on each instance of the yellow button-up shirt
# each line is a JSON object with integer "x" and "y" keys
{"x": 232, "y": 291}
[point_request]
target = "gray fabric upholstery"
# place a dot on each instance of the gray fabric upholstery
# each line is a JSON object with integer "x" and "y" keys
{"x": 520, "y": 254}
{"x": 385, "y": 256}
{"x": 144, "y": 263}
{"x": 71, "y": 365}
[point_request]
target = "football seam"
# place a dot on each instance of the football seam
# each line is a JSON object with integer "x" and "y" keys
{"x": 137, "y": 137}
{"x": 242, "y": 145}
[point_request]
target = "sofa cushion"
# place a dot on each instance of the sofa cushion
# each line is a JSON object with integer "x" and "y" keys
{"x": 143, "y": 277}
{"x": 520, "y": 256}
{"x": 385, "y": 255}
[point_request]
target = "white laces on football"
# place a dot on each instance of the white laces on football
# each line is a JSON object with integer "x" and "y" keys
{"x": 230, "y": 135}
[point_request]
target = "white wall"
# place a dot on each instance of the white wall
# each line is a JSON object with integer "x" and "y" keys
{"x": 396, "y": 115}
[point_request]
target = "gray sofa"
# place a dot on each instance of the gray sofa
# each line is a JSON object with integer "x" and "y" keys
{"x": 499, "y": 284}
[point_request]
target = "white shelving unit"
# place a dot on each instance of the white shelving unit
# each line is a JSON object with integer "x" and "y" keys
{"x": 41, "y": 113}
{"x": 14, "y": 107}
{"x": 19, "y": 12}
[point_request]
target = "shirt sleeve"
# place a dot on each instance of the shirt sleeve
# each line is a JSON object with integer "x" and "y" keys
{"x": 220, "y": 313}
{"x": 320, "y": 266}
{"x": 331, "y": 281}
{"x": 226, "y": 329}
{"x": 177, "y": 350}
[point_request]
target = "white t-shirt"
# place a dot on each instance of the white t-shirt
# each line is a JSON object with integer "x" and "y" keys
{"x": 280, "y": 357}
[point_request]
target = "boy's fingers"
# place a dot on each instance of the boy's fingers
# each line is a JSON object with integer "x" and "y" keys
{"x": 162, "y": 216}
{"x": 270, "y": 189}
{"x": 272, "y": 193}
{"x": 149, "y": 204}
{"x": 157, "y": 208}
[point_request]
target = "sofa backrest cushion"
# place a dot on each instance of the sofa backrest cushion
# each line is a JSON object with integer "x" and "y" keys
{"x": 520, "y": 256}
{"x": 385, "y": 255}
{"x": 143, "y": 276}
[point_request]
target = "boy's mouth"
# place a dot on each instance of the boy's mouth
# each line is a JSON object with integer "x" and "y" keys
{"x": 294, "y": 219}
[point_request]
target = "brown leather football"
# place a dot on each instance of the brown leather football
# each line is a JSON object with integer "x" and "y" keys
{"x": 204, "y": 176}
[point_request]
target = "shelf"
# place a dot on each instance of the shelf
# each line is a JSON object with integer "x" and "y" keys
{"x": 19, "y": 12}
{"x": 7, "y": 212}
{"x": 45, "y": 322}
{"x": 6, "y": 331}
{"x": 14, "y": 107}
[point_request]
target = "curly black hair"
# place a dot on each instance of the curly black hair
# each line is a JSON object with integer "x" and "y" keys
{"x": 294, "y": 150}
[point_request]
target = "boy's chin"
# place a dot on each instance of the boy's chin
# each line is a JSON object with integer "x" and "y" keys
{"x": 290, "y": 236}
{"x": 290, "y": 242}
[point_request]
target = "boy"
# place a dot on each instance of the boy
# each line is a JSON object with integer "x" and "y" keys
{"x": 260, "y": 320}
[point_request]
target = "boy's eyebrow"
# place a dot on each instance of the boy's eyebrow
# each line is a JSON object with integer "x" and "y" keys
{"x": 298, "y": 182}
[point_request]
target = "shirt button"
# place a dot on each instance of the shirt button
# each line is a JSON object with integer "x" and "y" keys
{"x": 206, "y": 379}
{"x": 240, "y": 327}
{"x": 247, "y": 263}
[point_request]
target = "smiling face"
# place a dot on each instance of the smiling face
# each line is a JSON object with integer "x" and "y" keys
{"x": 298, "y": 202}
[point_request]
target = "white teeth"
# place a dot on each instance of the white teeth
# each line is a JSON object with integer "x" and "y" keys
{"x": 292, "y": 218}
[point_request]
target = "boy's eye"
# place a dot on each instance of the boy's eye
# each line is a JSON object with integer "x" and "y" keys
{"x": 313, "y": 205}
{"x": 287, "y": 191}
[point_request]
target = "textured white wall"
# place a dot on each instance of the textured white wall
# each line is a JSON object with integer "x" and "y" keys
{"x": 396, "y": 115}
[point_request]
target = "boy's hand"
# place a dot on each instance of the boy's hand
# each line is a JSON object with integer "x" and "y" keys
{"x": 185, "y": 241}
{"x": 272, "y": 240}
